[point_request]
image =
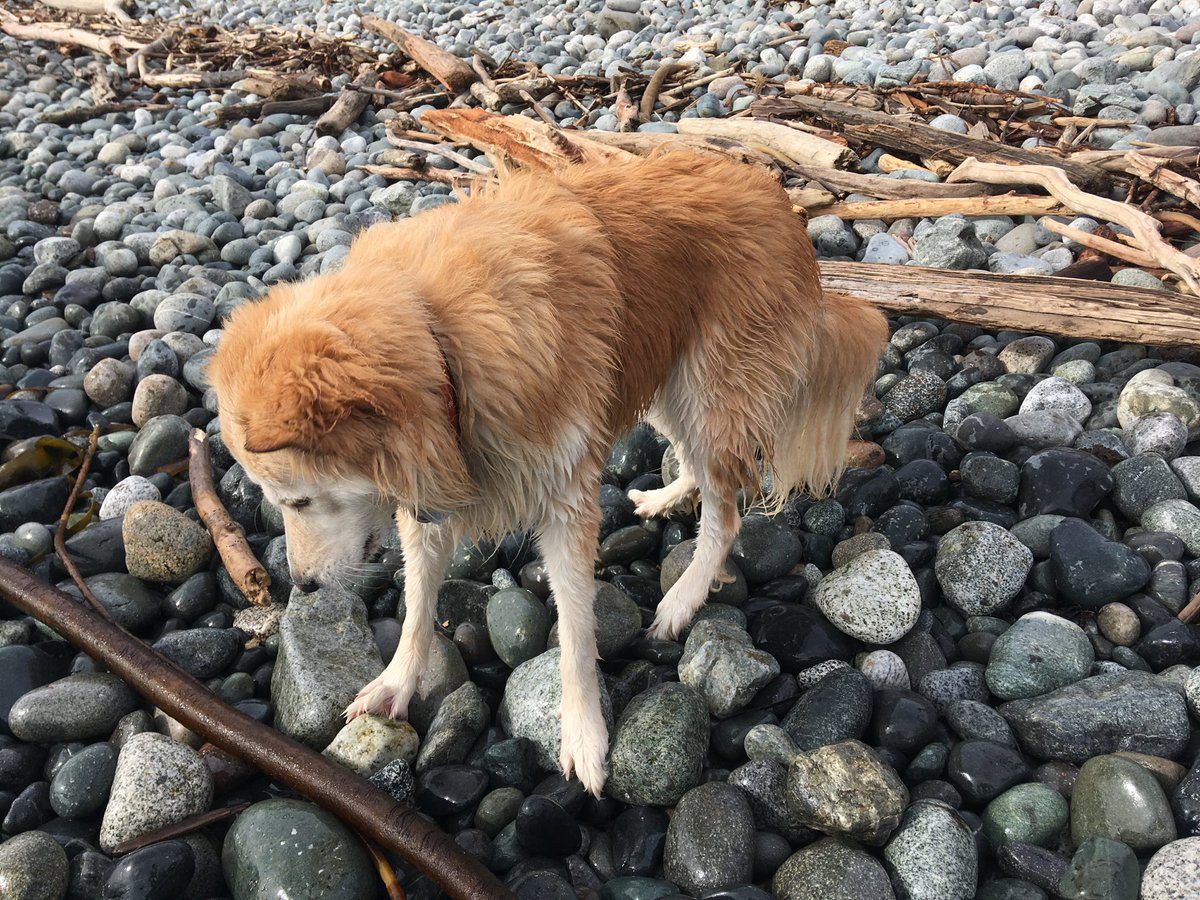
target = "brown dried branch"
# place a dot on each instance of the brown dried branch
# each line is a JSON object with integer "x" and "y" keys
{"x": 360, "y": 804}
{"x": 657, "y": 80}
{"x": 391, "y": 884}
{"x": 245, "y": 570}
{"x": 180, "y": 828}
{"x": 349, "y": 106}
{"x": 60, "y": 533}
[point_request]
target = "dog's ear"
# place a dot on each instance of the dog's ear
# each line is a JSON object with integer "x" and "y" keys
{"x": 310, "y": 387}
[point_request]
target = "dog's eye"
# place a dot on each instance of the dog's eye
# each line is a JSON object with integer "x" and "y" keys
{"x": 300, "y": 503}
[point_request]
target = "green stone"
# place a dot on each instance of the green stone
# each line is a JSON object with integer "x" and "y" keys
{"x": 1038, "y": 654}
{"x": 1101, "y": 870}
{"x": 1118, "y": 799}
{"x": 659, "y": 746}
{"x": 518, "y": 624}
{"x": 288, "y": 848}
{"x": 1028, "y": 814}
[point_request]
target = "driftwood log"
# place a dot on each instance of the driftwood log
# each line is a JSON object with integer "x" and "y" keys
{"x": 447, "y": 68}
{"x": 349, "y": 105}
{"x": 1002, "y": 205}
{"x": 57, "y": 33}
{"x": 921, "y": 140}
{"x": 796, "y": 146}
{"x": 1145, "y": 229}
{"x": 352, "y": 798}
{"x": 1063, "y": 306}
{"x": 118, "y": 9}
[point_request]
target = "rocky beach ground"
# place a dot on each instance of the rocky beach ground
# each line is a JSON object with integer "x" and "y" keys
{"x": 961, "y": 676}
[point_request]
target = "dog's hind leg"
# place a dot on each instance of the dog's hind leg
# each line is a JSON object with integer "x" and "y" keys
{"x": 719, "y": 523}
{"x": 681, "y": 493}
{"x": 426, "y": 551}
{"x": 568, "y": 543}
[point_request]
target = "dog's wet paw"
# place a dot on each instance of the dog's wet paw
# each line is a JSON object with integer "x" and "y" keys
{"x": 583, "y": 753}
{"x": 668, "y": 623}
{"x": 381, "y": 698}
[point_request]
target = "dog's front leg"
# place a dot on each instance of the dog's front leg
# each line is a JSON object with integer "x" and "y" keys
{"x": 568, "y": 545}
{"x": 426, "y": 552}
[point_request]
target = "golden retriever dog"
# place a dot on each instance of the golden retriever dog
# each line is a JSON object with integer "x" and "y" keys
{"x": 466, "y": 370}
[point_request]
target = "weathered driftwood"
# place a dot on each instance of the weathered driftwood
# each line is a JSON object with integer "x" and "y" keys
{"x": 1104, "y": 245}
{"x": 796, "y": 146}
{"x": 1002, "y": 205}
{"x": 305, "y": 106}
{"x": 115, "y": 8}
{"x": 919, "y": 139}
{"x": 888, "y": 188}
{"x": 58, "y": 33}
{"x": 1063, "y": 306}
{"x": 77, "y": 114}
{"x": 349, "y": 105}
{"x": 1156, "y": 173}
{"x": 643, "y": 143}
{"x": 806, "y": 198}
{"x": 352, "y": 798}
{"x": 404, "y": 173}
{"x": 1145, "y": 229}
{"x": 517, "y": 139}
{"x": 243, "y": 567}
{"x": 447, "y": 68}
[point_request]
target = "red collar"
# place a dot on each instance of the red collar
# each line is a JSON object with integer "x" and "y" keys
{"x": 449, "y": 390}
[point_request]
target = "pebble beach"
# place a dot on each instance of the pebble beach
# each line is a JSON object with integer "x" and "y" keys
{"x": 961, "y": 676}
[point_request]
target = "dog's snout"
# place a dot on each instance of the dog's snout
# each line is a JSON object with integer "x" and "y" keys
{"x": 307, "y": 585}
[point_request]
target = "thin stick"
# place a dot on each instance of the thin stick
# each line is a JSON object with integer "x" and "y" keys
{"x": 537, "y": 106}
{"x": 402, "y": 173}
{"x": 1095, "y": 242}
{"x": 356, "y": 801}
{"x": 245, "y": 570}
{"x": 1189, "y": 612}
{"x": 442, "y": 150}
{"x": 1055, "y": 182}
{"x": 387, "y": 875}
{"x": 60, "y": 533}
{"x": 180, "y": 829}
{"x": 657, "y": 80}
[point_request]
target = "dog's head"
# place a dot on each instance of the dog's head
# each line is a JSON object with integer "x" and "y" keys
{"x": 331, "y": 400}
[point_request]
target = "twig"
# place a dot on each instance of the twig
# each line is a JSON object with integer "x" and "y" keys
{"x": 538, "y": 107}
{"x": 1189, "y": 612}
{"x": 657, "y": 80}
{"x": 1054, "y": 181}
{"x": 77, "y": 114}
{"x": 360, "y": 804}
{"x": 442, "y": 150}
{"x": 1095, "y": 242}
{"x": 245, "y": 570}
{"x": 60, "y": 533}
{"x": 180, "y": 829}
{"x": 403, "y": 173}
{"x": 387, "y": 875}
{"x": 484, "y": 89}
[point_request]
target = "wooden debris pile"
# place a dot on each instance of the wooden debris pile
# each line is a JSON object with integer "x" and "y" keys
{"x": 812, "y": 136}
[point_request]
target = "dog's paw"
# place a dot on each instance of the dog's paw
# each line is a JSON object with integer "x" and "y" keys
{"x": 669, "y": 622}
{"x": 382, "y": 697}
{"x": 584, "y": 751}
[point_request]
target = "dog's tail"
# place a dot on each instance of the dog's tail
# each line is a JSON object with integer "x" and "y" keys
{"x": 809, "y": 450}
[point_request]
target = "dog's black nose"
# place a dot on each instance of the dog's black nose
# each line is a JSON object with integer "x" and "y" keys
{"x": 308, "y": 585}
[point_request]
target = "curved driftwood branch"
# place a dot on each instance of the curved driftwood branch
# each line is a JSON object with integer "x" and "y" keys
{"x": 352, "y": 798}
{"x": 57, "y": 33}
{"x": 244, "y": 568}
{"x": 1055, "y": 182}
{"x": 1095, "y": 242}
{"x": 657, "y": 80}
{"x": 60, "y": 533}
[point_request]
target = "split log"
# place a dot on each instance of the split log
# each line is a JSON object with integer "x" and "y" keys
{"x": 58, "y": 33}
{"x": 1104, "y": 245}
{"x": 1055, "y": 182}
{"x": 1002, "y": 205}
{"x": 447, "y": 68}
{"x": 115, "y": 8}
{"x": 366, "y": 808}
{"x": 1036, "y": 303}
{"x": 796, "y": 146}
{"x": 349, "y": 106}
{"x": 518, "y": 139}
{"x": 243, "y": 567}
{"x": 919, "y": 139}
{"x": 888, "y": 188}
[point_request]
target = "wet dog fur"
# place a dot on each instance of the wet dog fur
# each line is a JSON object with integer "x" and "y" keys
{"x": 680, "y": 289}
